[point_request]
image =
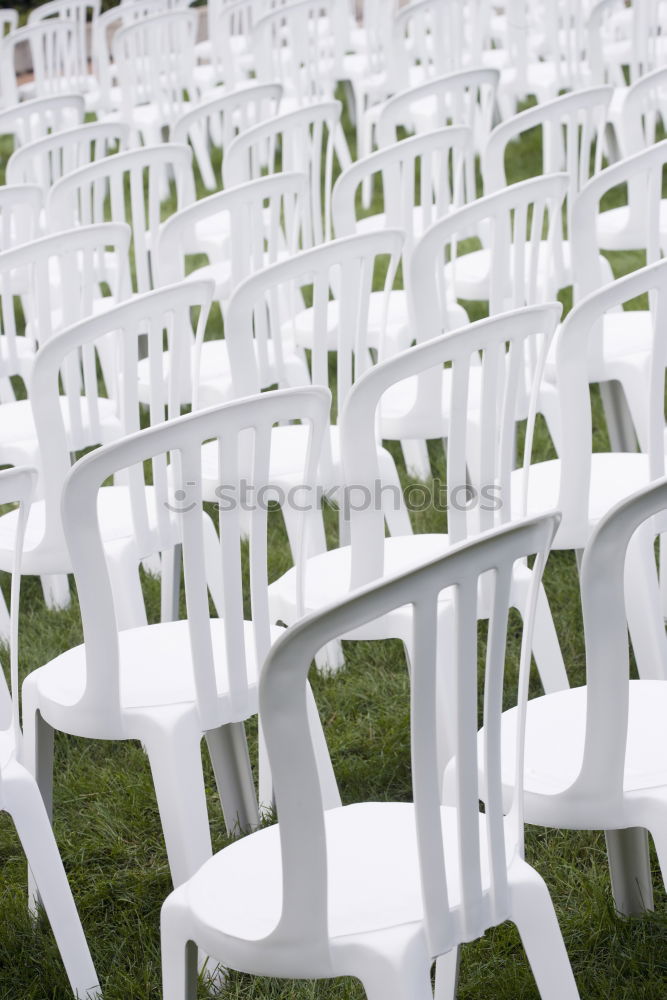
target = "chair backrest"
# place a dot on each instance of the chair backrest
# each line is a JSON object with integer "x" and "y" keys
{"x": 54, "y": 58}
{"x": 298, "y": 44}
{"x": 128, "y": 187}
{"x": 643, "y": 108}
{"x": 242, "y": 431}
{"x": 215, "y": 123}
{"x": 572, "y": 127}
{"x": 525, "y": 268}
{"x": 494, "y": 351}
{"x": 638, "y": 224}
{"x": 563, "y": 24}
{"x": 268, "y": 308}
{"x": 35, "y": 119}
{"x": 606, "y": 632}
{"x": 59, "y": 279}
{"x": 230, "y": 34}
{"x": 17, "y": 487}
{"x": 261, "y": 222}
{"x": 155, "y": 59}
{"x": 110, "y": 343}
{"x": 303, "y": 923}
{"x": 46, "y": 160}
{"x": 301, "y": 140}
{"x": 20, "y": 207}
{"x": 82, "y": 13}
{"x": 466, "y": 97}
{"x": 580, "y": 343}
{"x": 421, "y": 179}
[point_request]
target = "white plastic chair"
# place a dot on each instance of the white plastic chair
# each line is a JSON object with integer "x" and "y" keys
{"x": 466, "y": 97}
{"x": 517, "y": 267}
{"x": 466, "y": 415}
{"x": 421, "y": 179}
{"x": 266, "y": 323}
{"x": 378, "y": 891}
{"x": 214, "y": 123}
{"x": 92, "y": 193}
{"x": 257, "y": 224}
{"x": 19, "y": 795}
{"x": 169, "y": 684}
{"x": 82, "y": 13}
{"x": 572, "y": 128}
{"x": 53, "y": 52}
{"x": 95, "y": 409}
{"x": 20, "y": 208}
{"x": 595, "y": 755}
{"x": 154, "y": 59}
{"x": 226, "y": 53}
{"x": 44, "y": 161}
{"x": 301, "y": 140}
{"x": 641, "y": 224}
{"x": 34, "y": 119}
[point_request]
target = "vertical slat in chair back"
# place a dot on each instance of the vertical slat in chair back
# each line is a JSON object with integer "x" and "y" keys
{"x": 46, "y": 160}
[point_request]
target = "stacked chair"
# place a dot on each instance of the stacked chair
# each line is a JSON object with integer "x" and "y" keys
{"x": 292, "y": 250}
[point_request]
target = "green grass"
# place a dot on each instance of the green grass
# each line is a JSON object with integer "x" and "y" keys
{"x": 107, "y": 826}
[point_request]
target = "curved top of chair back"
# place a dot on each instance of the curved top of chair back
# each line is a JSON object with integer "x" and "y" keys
{"x": 44, "y": 161}
{"x": 242, "y": 430}
{"x": 606, "y": 631}
{"x": 20, "y": 206}
{"x": 299, "y": 45}
{"x": 268, "y": 308}
{"x": 109, "y": 342}
{"x": 524, "y": 268}
{"x": 573, "y": 129}
{"x": 639, "y": 223}
{"x": 304, "y": 924}
{"x": 263, "y": 220}
{"x": 60, "y": 277}
{"x": 34, "y": 119}
{"x": 422, "y": 179}
{"x": 155, "y": 60}
{"x": 87, "y": 194}
{"x": 496, "y": 348}
{"x": 466, "y": 97}
{"x": 580, "y": 342}
{"x": 17, "y": 486}
{"x": 300, "y": 140}
{"x": 642, "y": 108}
{"x": 9, "y": 20}
{"x": 216, "y": 122}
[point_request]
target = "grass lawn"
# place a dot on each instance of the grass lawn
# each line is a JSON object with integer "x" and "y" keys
{"x": 107, "y": 826}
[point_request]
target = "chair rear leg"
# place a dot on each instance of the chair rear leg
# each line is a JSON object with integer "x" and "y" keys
{"x": 228, "y": 750}
{"x": 179, "y": 955}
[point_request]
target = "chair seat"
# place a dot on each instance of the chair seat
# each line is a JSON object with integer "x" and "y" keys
{"x": 18, "y": 427}
{"x": 555, "y": 731}
{"x": 115, "y": 517}
{"x": 616, "y": 233}
{"x": 155, "y": 670}
{"x": 614, "y": 476}
{"x": 470, "y": 273}
{"x": 373, "y": 870}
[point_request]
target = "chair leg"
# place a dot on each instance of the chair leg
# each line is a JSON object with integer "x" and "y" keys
{"x": 391, "y": 496}
{"x": 24, "y": 803}
{"x": 546, "y": 647}
{"x": 630, "y": 870}
{"x": 170, "y": 584}
{"x": 447, "y": 975}
{"x": 128, "y": 597}
{"x": 55, "y": 587}
{"x": 37, "y": 758}
{"x": 533, "y": 913}
{"x": 174, "y": 754}
{"x": 228, "y": 749}
{"x": 401, "y": 971}
{"x": 179, "y": 955}
{"x": 619, "y": 422}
